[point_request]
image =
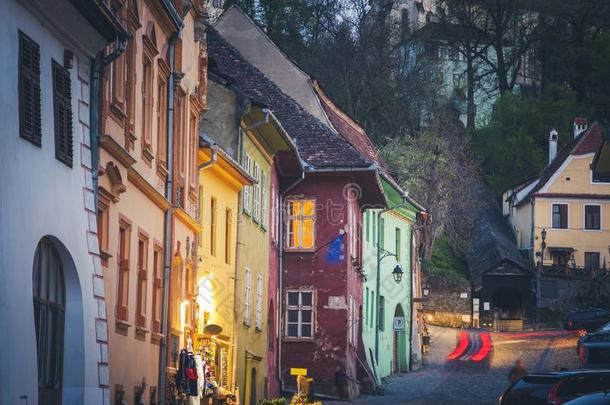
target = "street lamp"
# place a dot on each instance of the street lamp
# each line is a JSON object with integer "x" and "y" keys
{"x": 397, "y": 273}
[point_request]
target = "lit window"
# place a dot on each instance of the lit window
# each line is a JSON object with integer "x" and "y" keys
{"x": 301, "y": 224}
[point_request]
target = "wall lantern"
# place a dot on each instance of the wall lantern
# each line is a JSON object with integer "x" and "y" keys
{"x": 397, "y": 274}
{"x": 426, "y": 290}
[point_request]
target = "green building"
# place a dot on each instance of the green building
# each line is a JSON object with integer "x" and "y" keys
{"x": 386, "y": 312}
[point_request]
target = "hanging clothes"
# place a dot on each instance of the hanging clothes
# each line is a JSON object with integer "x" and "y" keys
{"x": 200, "y": 374}
{"x": 186, "y": 379}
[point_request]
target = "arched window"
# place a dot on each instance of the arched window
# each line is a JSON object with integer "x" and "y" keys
{"x": 49, "y": 309}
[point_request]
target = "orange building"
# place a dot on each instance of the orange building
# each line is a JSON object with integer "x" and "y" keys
{"x": 152, "y": 98}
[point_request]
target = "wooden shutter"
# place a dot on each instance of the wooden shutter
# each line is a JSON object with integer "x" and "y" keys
{"x": 29, "y": 90}
{"x": 62, "y": 109}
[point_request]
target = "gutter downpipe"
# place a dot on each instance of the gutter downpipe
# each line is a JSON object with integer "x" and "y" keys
{"x": 280, "y": 300}
{"x": 212, "y": 160}
{"x": 97, "y": 66}
{"x": 168, "y": 228}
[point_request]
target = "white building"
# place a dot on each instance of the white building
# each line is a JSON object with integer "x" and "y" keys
{"x": 52, "y": 310}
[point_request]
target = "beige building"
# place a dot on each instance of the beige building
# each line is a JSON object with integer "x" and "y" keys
{"x": 148, "y": 199}
{"x": 567, "y": 204}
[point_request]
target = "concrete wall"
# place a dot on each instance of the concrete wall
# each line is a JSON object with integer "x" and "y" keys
{"x": 41, "y": 197}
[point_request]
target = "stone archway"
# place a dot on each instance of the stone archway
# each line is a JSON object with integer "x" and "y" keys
{"x": 59, "y": 311}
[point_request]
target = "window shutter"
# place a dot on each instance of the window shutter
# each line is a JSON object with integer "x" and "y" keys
{"x": 29, "y": 90}
{"x": 62, "y": 109}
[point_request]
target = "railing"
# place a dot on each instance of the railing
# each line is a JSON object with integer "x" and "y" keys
{"x": 575, "y": 272}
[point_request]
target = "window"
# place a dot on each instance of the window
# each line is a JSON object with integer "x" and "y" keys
{"x": 398, "y": 242}
{"x": 353, "y": 233}
{"x": 130, "y": 93}
{"x": 299, "y": 314}
{"x": 274, "y": 214}
{"x": 256, "y": 205}
{"x": 264, "y": 200}
{"x": 592, "y": 217}
{"x": 29, "y": 90}
{"x": 352, "y": 321}
{"x": 560, "y": 216}
{"x": 192, "y": 151}
{"x": 180, "y": 133}
{"x": 49, "y": 309}
{"x": 157, "y": 288}
{"x": 102, "y": 228}
{"x": 382, "y": 233}
{"x": 228, "y": 235}
{"x": 366, "y": 306}
{"x": 62, "y": 111}
{"x": 123, "y": 276}
{"x": 301, "y": 224}
{"x": 247, "y": 197}
{"x": 147, "y": 105}
{"x": 372, "y": 319}
{"x": 368, "y": 225}
{"x": 142, "y": 277}
{"x": 162, "y": 117}
{"x": 381, "y": 313}
{"x": 247, "y": 295}
{"x": 591, "y": 260}
{"x": 259, "y": 302}
{"x": 213, "y": 226}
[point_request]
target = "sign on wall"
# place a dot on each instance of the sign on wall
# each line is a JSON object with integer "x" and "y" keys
{"x": 399, "y": 323}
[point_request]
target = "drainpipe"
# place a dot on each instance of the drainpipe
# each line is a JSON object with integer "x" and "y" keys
{"x": 212, "y": 160}
{"x": 97, "y": 66}
{"x": 167, "y": 234}
{"x": 280, "y": 283}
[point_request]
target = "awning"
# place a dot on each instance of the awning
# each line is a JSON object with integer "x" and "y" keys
{"x": 560, "y": 250}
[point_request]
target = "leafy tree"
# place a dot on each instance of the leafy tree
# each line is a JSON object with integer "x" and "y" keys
{"x": 514, "y": 146}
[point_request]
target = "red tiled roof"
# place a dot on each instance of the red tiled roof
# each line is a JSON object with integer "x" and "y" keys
{"x": 569, "y": 195}
{"x": 580, "y": 121}
{"x": 591, "y": 142}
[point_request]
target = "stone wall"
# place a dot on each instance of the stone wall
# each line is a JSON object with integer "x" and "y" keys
{"x": 448, "y": 305}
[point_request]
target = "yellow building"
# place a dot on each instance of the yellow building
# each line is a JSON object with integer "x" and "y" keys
{"x": 568, "y": 203}
{"x": 221, "y": 179}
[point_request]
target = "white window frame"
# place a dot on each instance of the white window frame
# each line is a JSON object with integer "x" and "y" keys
{"x": 247, "y": 295}
{"x": 584, "y": 217}
{"x": 300, "y": 217}
{"x": 300, "y": 307}
{"x": 567, "y": 215}
{"x": 264, "y": 200}
{"x": 247, "y": 193}
{"x": 259, "y": 302}
{"x": 256, "y": 200}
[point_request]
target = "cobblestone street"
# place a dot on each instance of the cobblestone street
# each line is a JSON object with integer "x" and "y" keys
{"x": 468, "y": 383}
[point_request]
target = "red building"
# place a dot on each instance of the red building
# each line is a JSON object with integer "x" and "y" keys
{"x": 318, "y": 251}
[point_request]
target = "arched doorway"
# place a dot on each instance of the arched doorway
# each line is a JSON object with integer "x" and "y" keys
{"x": 59, "y": 324}
{"x": 507, "y": 305}
{"x": 49, "y": 316}
{"x": 399, "y": 361}
{"x": 253, "y": 399}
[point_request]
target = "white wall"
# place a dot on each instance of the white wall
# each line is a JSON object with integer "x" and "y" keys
{"x": 41, "y": 196}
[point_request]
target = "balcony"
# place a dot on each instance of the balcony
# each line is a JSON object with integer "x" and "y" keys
{"x": 575, "y": 272}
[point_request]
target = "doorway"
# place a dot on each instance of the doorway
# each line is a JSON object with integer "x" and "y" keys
{"x": 253, "y": 398}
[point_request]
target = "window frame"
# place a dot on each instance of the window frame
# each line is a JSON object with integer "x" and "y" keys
{"x": 256, "y": 197}
{"x": 599, "y": 256}
{"x": 228, "y": 235}
{"x": 398, "y": 243}
{"x": 259, "y": 303}
{"x": 142, "y": 279}
{"x": 264, "y": 193}
{"x": 247, "y": 295}
{"x": 62, "y": 114}
{"x": 599, "y": 218}
{"x": 301, "y": 218}
{"x": 32, "y": 73}
{"x": 162, "y": 79}
{"x": 103, "y": 228}
{"x": 567, "y": 216}
{"x": 300, "y": 307}
{"x": 157, "y": 301}
{"x": 213, "y": 225}
{"x": 123, "y": 273}
{"x": 247, "y": 190}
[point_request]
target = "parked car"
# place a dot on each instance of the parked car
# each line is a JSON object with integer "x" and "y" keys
{"x": 555, "y": 387}
{"x": 594, "y": 349}
{"x": 586, "y": 319}
{"x": 597, "y": 398}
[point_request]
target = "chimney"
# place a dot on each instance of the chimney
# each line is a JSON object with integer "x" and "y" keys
{"x": 553, "y": 136}
{"x": 580, "y": 126}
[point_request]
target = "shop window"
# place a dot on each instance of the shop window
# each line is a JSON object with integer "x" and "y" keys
{"x": 560, "y": 216}
{"x": 299, "y": 314}
{"x": 301, "y": 224}
{"x": 29, "y": 90}
{"x": 247, "y": 295}
{"x": 142, "y": 280}
{"x": 592, "y": 217}
{"x": 123, "y": 274}
{"x": 157, "y": 296}
{"x": 62, "y": 114}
